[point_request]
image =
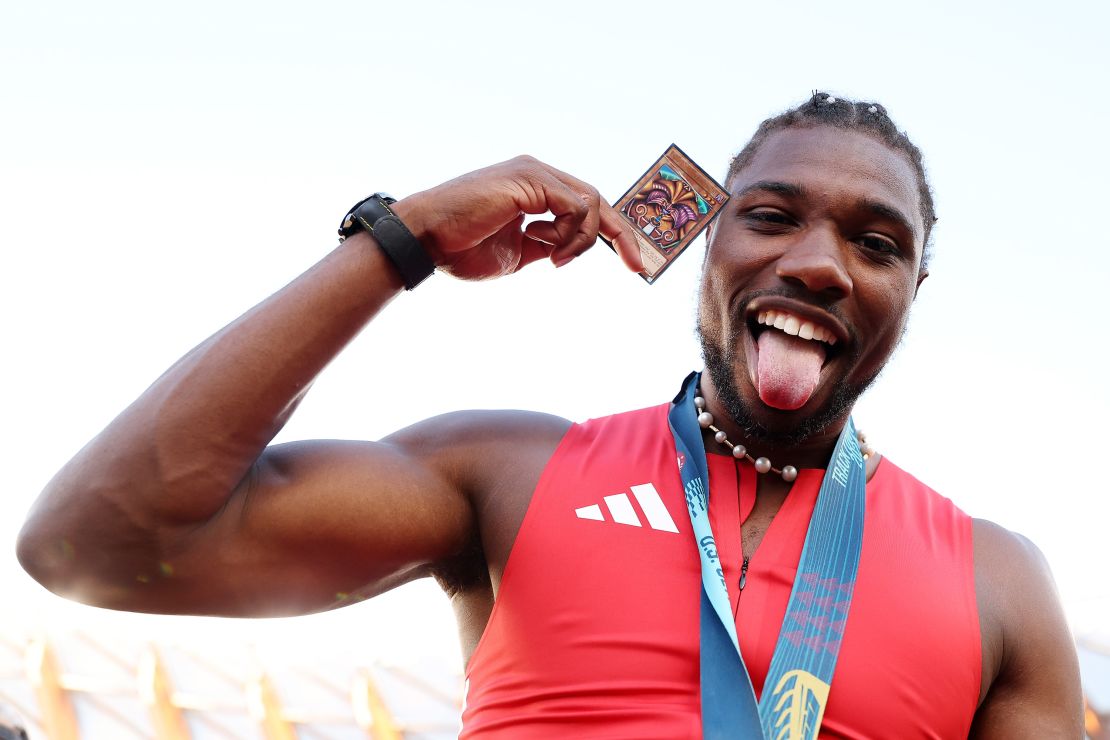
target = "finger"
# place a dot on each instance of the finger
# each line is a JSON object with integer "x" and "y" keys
{"x": 619, "y": 232}
{"x": 586, "y": 223}
{"x": 571, "y": 223}
{"x": 548, "y": 232}
{"x": 586, "y": 236}
{"x": 572, "y": 182}
{"x": 543, "y": 231}
{"x": 612, "y": 226}
{"x": 588, "y": 230}
{"x": 532, "y": 250}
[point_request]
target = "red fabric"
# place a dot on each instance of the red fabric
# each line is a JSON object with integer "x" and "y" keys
{"x": 595, "y": 629}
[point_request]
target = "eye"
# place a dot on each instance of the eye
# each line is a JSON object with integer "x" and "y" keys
{"x": 768, "y": 219}
{"x": 878, "y": 244}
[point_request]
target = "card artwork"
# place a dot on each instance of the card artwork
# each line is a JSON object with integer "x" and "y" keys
{"x": 668, "y": 207}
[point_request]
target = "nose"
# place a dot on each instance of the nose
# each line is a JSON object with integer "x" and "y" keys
{"x": 816, "y": 263}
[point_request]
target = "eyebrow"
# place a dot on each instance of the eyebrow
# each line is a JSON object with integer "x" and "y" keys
{"x": 788, "y": 189}
{"x": 792, "y": 190}
{"x": 882, "y": 210}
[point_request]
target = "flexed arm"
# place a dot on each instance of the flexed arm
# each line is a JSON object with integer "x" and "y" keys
{"x": 179, "y": 506}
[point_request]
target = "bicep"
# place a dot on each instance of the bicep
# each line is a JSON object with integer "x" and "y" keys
{"x": 1037, "y": 692}
{"x": 316, "y": 525}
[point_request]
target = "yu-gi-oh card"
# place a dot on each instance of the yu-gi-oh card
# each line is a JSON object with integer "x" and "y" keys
{"x": 668, "y": 207}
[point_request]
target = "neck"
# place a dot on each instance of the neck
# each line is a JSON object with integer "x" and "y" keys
{"x": 812, "y": 452}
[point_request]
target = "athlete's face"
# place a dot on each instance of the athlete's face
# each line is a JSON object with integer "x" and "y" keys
{"x": 822, "y": 238}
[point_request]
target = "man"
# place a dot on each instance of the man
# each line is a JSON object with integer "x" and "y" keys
{"x": 953, "y": 629}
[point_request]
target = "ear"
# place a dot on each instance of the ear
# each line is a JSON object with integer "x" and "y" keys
{"x": 920, "y": 279}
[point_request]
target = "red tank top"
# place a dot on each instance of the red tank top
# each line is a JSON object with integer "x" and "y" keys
{"x": 594, "y": 632}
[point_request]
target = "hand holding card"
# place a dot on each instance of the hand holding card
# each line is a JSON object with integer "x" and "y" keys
{"x": 671, "y": 203}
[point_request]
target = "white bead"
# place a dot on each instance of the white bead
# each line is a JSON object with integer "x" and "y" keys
{"x": 873, "y": 109}
{"x": 699, "y": 402}
{"x": 705, "y": 419}
{"x": 739, "y": 451}
{"x": 829, "y": 99}
{"x": 762, "y": 465}
{"x": 721, "y": 437}
{"x": 789, "y": 473}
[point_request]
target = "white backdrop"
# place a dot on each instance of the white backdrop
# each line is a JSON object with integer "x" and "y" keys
{"x": 163, "y": 167}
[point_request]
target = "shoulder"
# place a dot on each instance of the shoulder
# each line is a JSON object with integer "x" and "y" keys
{"x": 494, "y": 459}
{"x": 1029, "y": 662}
{"x": 1010, "y": 555}
{"x": 1013, "y": 581}
{"x": 484, "y": 453}
{"x": 464, "y": 438}
{"x": 475, "y": 435}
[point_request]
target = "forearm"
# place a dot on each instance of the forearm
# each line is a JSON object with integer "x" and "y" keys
{"x": 212, "y": 414}
{"x": 177, "y": 453}
{"x": 154, "y": 487}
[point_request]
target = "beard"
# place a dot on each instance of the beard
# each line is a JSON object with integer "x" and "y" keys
{"x": 721, "y": 362}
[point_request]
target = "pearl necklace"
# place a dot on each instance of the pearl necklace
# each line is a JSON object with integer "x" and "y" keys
{"x": 762, "y": 464}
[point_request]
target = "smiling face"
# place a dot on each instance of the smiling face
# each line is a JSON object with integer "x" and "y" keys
{"x": 809, "y": 276}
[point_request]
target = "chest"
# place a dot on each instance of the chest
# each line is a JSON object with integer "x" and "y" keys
{"x": 755, "y": 522}
{"x": 601, "y": 593}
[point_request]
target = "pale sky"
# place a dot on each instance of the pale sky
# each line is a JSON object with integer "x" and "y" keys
{"x": 164, "y": 167}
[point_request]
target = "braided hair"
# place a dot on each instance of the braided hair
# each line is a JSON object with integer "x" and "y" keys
{"x": 823, "y": 109}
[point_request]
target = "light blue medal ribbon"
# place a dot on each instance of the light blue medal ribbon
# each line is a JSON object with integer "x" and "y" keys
{"x": 797, "y": 685}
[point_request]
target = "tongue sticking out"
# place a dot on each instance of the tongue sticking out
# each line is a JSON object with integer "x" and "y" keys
{"x": 788, "y": 369}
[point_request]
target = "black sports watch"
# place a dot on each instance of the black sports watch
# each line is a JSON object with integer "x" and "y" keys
{"x": 404, "y": 250}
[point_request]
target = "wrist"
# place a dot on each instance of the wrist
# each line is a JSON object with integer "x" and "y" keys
{"x": 368, "y": 260}
{"x": 420, "y": 219}
{"x": 376, "y": 216}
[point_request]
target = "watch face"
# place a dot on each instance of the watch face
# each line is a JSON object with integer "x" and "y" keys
{"x": 364, "y": 214}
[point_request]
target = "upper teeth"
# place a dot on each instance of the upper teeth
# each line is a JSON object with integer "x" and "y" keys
{"x": 796, "y": 326}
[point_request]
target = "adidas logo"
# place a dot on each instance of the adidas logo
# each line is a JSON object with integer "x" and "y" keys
{"x": 621, "y": 510}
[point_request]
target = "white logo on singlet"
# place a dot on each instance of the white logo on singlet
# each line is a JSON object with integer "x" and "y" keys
{"x": 622, "y": 512}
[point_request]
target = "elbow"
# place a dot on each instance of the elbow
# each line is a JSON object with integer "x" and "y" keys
{"x": 45, "y": 545}
{"x": 47, "y": 556}
{"x": 43, "y": 561}
{"x": 102, "y": 523}
{"x": 98, "y": 532}
{"x": 72, "y": 569}
{"x": 69, "y": 545}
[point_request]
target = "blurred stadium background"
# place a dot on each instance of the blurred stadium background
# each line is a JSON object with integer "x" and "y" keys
{"x": 79, "y": 685}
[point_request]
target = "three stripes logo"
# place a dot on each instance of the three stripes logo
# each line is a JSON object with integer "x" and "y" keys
{"x": 621, "y": 510}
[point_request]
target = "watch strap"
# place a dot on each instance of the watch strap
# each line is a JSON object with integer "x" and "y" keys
{"x": 403, "y": 249}
{"x": 374, "y": 216}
